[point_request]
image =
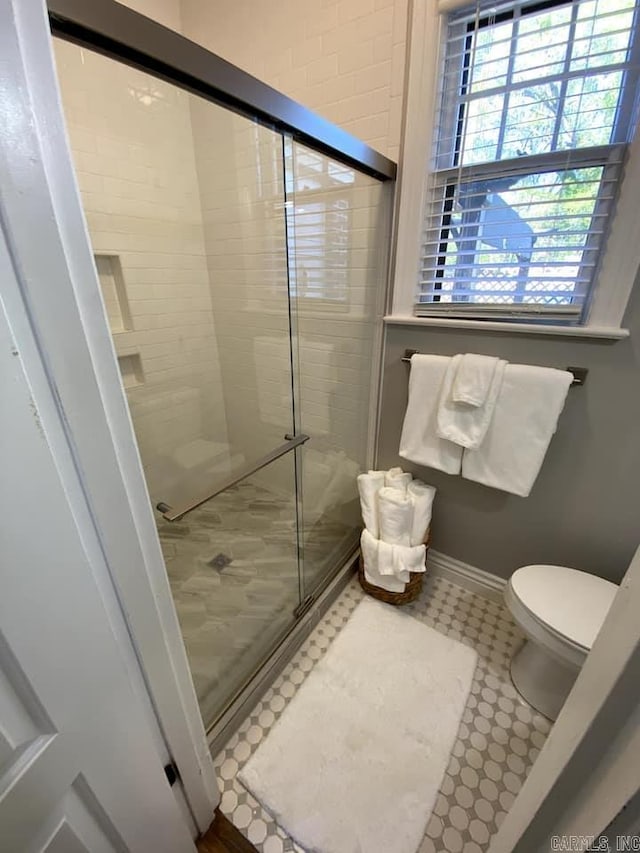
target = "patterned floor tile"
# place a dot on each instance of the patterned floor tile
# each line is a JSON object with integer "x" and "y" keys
{"x": 233, "y": 569}
{"x": 498, "y": 740}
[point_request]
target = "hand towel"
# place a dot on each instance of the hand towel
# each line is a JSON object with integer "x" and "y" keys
{"x": 395, "y": 513}
{"x": 407, "y": 560}
{"x": 422, "y": 497}
{"x": 419, "y": 441}
{"x": 473, "y": 379}
{"x": 368, "y": 486}
{"x": 396, "y": 478}
{"x": 525, "y": 419}
{"x": 370, "y": 548}
{"x": 463, "y": 424}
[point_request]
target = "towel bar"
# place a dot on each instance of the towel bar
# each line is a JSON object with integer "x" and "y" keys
{"x": 579, "y": 373}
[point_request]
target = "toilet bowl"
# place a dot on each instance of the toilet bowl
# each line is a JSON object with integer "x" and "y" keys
{"x": 560, "y": 611}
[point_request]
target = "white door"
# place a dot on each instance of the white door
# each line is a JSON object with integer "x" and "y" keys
{"x": 80, "y": 754}
{"x": 91, "y": 656}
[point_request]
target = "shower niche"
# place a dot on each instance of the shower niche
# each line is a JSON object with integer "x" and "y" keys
{"x": 114, "y": 292}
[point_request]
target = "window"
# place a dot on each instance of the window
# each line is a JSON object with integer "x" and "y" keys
{"x": 538, "y": 104}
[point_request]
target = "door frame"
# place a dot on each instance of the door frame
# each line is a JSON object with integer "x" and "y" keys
{"x": 46, "y": 231}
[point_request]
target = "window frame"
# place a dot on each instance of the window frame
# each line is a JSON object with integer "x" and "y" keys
{"x": 620, "y": 260}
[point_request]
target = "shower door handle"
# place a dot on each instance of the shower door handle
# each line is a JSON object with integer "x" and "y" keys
{"x": 293, "y": 441}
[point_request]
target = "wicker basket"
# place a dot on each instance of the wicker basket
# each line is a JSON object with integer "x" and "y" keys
{"x": 411, "y": 591}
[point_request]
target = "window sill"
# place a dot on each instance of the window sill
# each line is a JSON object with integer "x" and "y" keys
{"x": 609, "y": 333}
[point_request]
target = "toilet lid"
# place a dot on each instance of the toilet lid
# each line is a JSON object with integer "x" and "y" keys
{"x": 573, "y": 604}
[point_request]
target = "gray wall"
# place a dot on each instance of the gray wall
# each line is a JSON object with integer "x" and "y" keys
{"x": 584, "y": 509}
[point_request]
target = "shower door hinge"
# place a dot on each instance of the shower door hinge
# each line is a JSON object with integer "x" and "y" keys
{"x": 172, "y": 773}
{"x": 305, "y": 605}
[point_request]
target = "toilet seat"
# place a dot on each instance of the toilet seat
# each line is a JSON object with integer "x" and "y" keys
{"x": 563, "y": 609}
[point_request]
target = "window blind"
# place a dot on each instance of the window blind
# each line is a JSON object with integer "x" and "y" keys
{"x": 538, "y": 105}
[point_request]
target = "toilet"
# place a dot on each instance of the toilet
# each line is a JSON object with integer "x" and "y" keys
{"x": 560, "y": 611}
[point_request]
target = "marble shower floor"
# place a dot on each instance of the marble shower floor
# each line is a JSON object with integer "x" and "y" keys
{"x": 498, "y": 740}
{"x": 228, "y": 610}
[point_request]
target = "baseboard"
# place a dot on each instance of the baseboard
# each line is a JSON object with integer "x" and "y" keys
{"x": 471, "y": 578}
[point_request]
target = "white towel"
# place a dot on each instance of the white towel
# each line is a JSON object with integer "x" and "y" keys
{"x": 368, "y": 486}
{"x": 370, "y": 553}
{"x": 389, "y": 565}
{"x": 396, "y": 478}
{"x": 395, "y": 513}
{"x": 422, "y": 497}
{"x": 473, "y": 379}
{"x": 419, "y": 441}
{"x": 463, "y": 424}
{"x": 525, "y": 419}
{"x": 407, "y": 560}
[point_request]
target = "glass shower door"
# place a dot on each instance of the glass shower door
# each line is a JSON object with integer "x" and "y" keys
{"x": 185, "y": 206}
{"x": 338, "y": 237}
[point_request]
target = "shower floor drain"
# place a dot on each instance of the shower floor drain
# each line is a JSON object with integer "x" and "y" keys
{"x": 219, "y": 562}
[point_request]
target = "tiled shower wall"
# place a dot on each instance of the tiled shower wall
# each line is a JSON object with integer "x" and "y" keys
{"x": 133, "y": 150}
{"x": 242, "y": 189}
{"x": 334, "y": 222}
{"x": 345, "y": 59}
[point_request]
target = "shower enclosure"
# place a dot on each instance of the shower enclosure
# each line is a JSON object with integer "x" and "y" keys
{"x": 242, "y": 266}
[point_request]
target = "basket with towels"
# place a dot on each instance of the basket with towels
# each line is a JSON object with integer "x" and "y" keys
{"x": 396, "y": 511}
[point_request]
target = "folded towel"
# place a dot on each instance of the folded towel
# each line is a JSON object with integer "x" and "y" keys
{"x": 419, "y": 441}
{"x": 396, "y": 478}
{"x": 422, "y": 497}
{"x": 407, "y": 560}
{"x": 458, "y": 422}
{"x": 389, "y": 565}
{"x": 368, "y": 486}
{"x": 473, "y": 379}
{"x": 370, "y": 553}
{"x": 525, "y": 419}
{"x": 395, "y": 513}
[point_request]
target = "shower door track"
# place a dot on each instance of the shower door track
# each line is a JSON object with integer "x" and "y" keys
{"x": 114, "y": 30}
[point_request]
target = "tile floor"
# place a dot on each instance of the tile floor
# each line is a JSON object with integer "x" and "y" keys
{"x": 234, "y": 610}
{"x": 499, "y": 737}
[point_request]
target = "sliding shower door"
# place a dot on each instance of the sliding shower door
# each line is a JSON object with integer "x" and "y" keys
{"x": 240, "y": 275}
{"x": 338, "y": 237}
{"x": 185, "y": 205}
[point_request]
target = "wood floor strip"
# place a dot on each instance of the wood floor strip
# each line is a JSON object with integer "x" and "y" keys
{"x": 223, "y": 837}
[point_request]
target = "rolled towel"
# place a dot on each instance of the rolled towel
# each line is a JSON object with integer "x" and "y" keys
{"x": 422, "y": 497}
{"x": 368, "y": 486}
{"x": 473, "y": 379}
{"x": 395, "y": 512}
{"x": 370, "y": 555}
{"x": 466, "y": 425}
{"x": 396, "y": 478}
{"x": 407, "y": 560}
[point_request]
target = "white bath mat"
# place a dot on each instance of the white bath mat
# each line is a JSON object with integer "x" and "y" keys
{"x": 355, "y": 762}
